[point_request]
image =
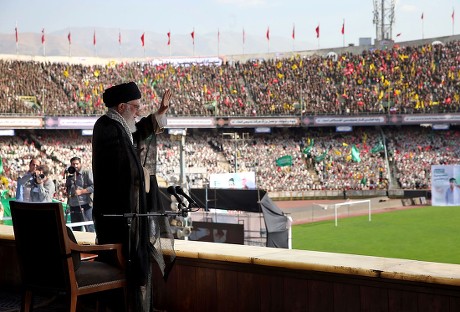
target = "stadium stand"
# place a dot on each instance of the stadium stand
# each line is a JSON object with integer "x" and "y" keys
{"x": 419, "y": 79}
{"x": 402, "y": 80}
{"x": 328, "y": 166}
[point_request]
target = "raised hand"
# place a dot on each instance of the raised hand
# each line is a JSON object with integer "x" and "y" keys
{"x": 164, "y": 106}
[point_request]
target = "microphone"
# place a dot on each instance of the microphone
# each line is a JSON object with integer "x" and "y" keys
{"x": 172, "y": 191}
{"x": 180, "y": 191}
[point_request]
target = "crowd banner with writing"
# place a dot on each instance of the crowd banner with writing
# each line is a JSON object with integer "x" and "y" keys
{"x": 284, "y": 161}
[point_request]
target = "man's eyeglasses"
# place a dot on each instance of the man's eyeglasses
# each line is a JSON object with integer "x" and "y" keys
{"x": 136, "y": 105}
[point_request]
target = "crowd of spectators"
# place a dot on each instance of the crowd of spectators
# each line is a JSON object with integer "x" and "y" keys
{"x": 422, "y": 79}
{"x": 398, "y": 80}
{"x": 321, "y": 158}
{"x": 412, "y": 152}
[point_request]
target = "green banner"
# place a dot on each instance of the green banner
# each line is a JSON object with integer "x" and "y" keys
{"x": 355, "y": 154}
{"x": 307, "y": 150}
{"x": 377, "y": 148}
{"x": 284, "y": 161}
{"x": 321, "y": 157}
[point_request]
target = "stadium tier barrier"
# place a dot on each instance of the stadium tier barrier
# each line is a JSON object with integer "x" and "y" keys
{"x": 343, "y": 194}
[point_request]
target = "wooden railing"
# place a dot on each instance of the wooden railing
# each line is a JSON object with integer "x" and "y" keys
{"x": 225, "y": 277}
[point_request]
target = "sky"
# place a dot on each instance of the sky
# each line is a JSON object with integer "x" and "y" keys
{"x": 232, "y": 16}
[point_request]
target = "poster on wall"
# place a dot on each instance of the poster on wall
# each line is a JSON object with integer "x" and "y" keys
{"x": 445, "y": 187}
{"x": 236, "y": 180}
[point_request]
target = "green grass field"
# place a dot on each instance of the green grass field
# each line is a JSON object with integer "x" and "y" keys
{"x": 425, "y": 234}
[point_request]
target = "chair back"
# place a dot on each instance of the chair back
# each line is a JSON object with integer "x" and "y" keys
{"x": 43, "y": 252}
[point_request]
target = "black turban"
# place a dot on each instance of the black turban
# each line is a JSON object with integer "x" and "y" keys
{"x": 121, "y": 93}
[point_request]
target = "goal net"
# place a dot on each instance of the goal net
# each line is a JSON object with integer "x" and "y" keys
{"x": 352, "y": 207}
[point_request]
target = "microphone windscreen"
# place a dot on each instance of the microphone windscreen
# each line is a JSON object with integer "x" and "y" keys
{"x": 179, "y": 190}
{"x": 172, "y": 190}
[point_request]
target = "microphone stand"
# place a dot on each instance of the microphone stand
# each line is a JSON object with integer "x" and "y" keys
{"x": 73, "y": 184}
{"x": 82, "y": 211}
{"x": 183, "y": 212}
{"x": 131, "y": 215}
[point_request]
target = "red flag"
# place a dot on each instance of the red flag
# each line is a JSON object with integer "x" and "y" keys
{"x": 169, "y": 37}
{"x": 94, "y": 38}
{"x": 142, "y": 38}
{"x": 293, "y": 31}
{"x": 453, "y": 15}
{"x": 317, "y": 31}
{"x": 43, "y": 35}
{"x": 193, "y": 36}
{"x": 16, "y": 34}
{"x": 69, "y": 37}
{"x": 268, "y": 33}
{"x": 343, "y": 27}
{"x": 422, "y": 16}
{"x": 119, "y": 37}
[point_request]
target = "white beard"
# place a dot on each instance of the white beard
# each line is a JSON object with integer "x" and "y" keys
{"x": 130, "y": 121}
{"x": 131, "y": 125}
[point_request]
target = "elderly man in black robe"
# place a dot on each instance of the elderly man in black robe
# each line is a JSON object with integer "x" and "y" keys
{"x": 121, "y": 186}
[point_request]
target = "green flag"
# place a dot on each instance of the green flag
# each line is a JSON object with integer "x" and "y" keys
{"x": 284, "y": 161}
{"x": 355, "y": 154}
{"x": 321, "y": 157}
{"x": 377, "y": 148}
{"x": 211, "y": 105}
{"x": 307, "y": 150}
{"x": 1, "y": 165}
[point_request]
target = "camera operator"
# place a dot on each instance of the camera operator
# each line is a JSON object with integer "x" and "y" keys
{"x": 26, "y": 181}
{"x": 79, "y": 186}
{"x": 42, "y": 187}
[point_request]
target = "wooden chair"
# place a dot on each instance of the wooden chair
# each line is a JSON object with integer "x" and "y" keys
{"x": 47, "y": 257}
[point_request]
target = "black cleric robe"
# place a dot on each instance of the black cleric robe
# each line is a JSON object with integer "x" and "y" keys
{"x": 119, "y": 189}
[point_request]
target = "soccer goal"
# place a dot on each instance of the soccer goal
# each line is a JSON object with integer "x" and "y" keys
{"x": 352, "y": 203}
